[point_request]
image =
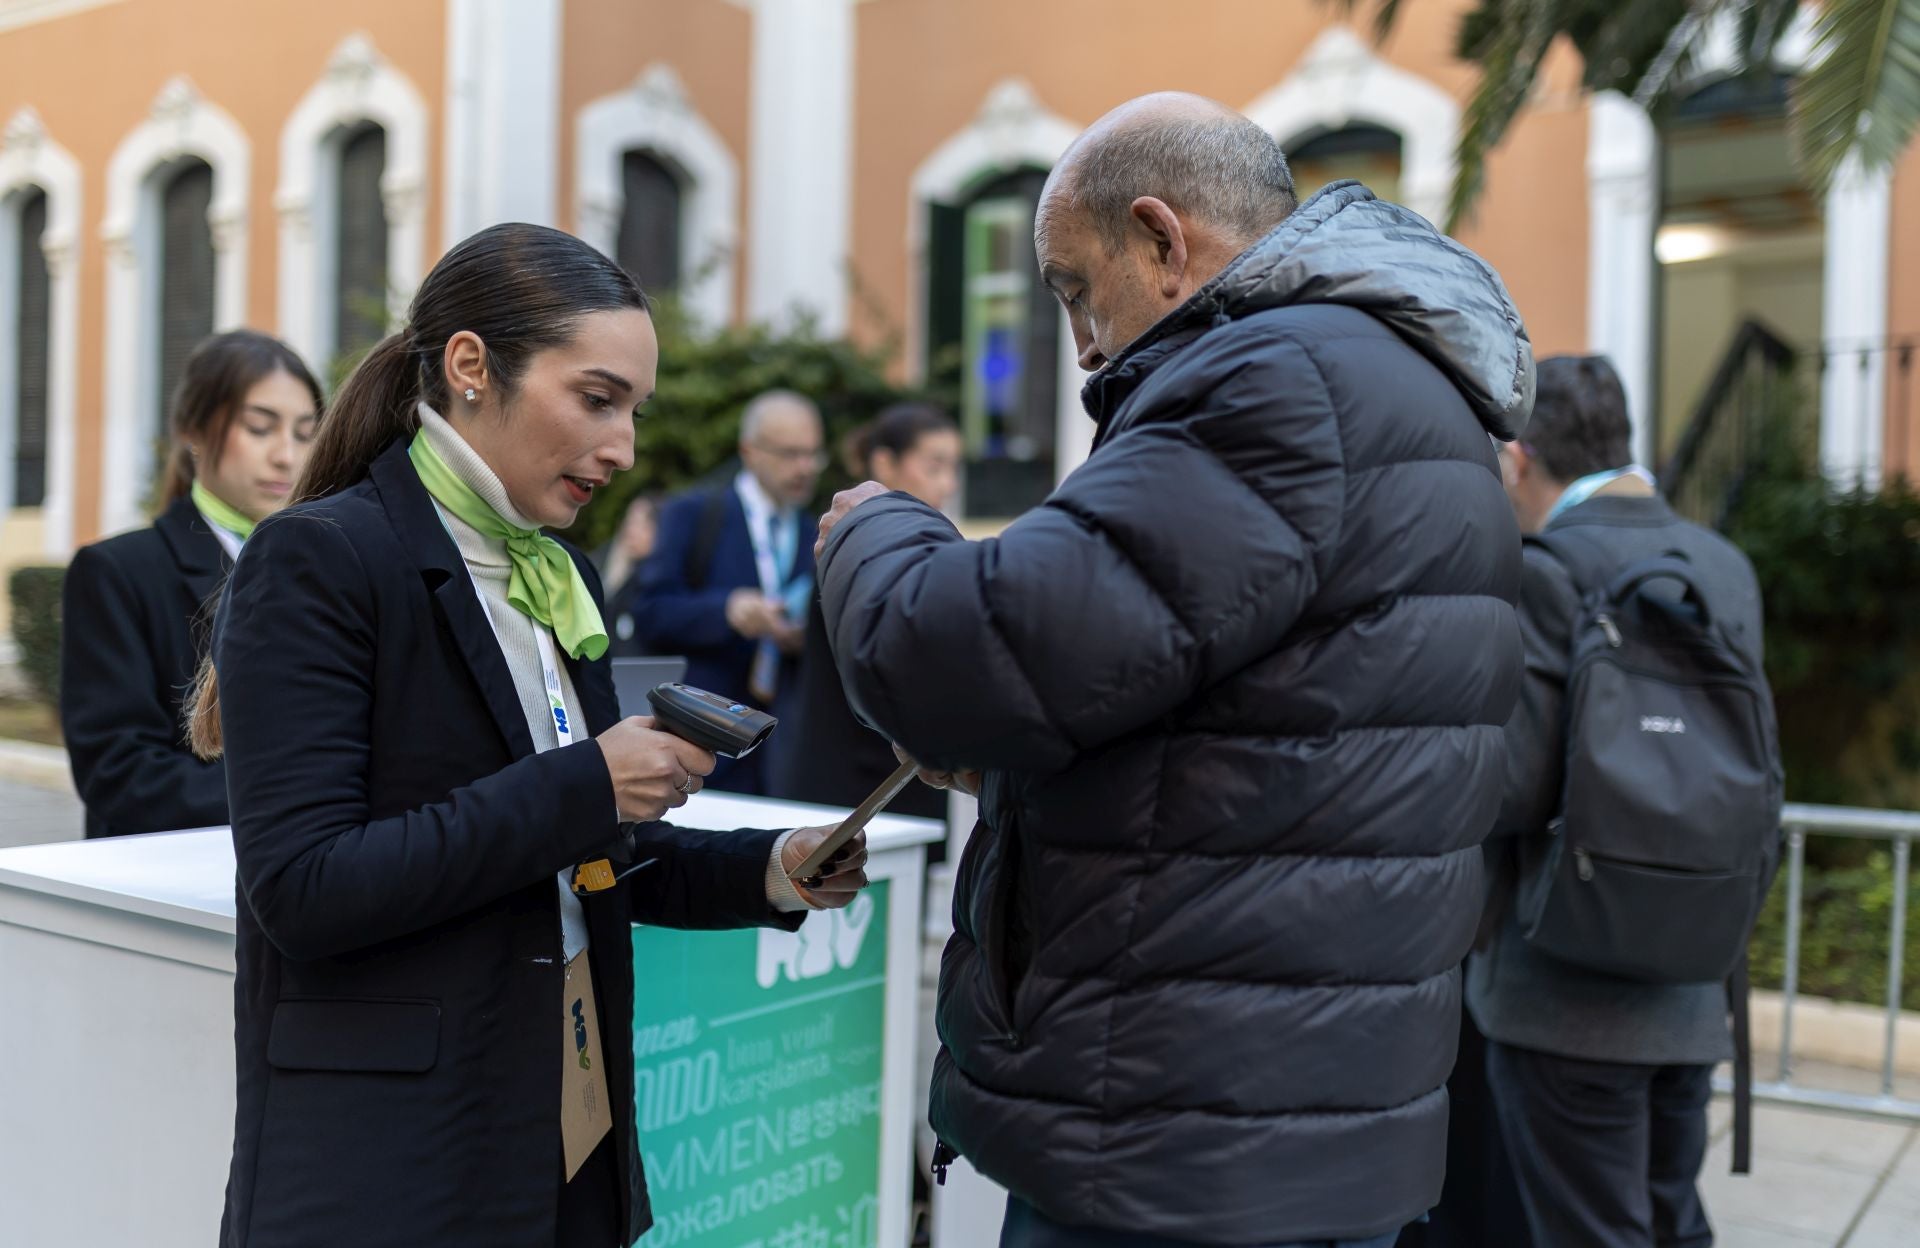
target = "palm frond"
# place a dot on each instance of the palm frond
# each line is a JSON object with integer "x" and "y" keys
{"x": 1862, "y": 95}
{"x": 1508, "y": 68}
{"x": 1619, "y": 42}
{"x": 1384, "y": 16}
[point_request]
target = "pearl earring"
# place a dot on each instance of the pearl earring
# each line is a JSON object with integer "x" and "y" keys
{"x": 471, "y": 394}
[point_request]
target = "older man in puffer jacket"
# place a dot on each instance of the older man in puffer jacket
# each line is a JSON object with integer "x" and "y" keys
{"x": 1235, "y": 695}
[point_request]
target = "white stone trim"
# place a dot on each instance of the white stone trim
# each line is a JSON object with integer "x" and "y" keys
{"x": 358, "y": 86}
{"x": 656, "y": 115}
{"x": 1013, "y": 130}
{"x": 1623, "y": 210}
{"x": 1853, "y": 316}
{"x": 17, "y": 13}
{"x": 29, "y": 158}
{"x": 1623, "y": 162}
{"x": 1342, "y": 80}
{"x": 181, "y": 124}
{"x": 502, "y": 115}
{"x": 801, "y": 153}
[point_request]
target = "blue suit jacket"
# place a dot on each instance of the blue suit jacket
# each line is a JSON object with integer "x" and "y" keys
{"x": 672, "y": 617}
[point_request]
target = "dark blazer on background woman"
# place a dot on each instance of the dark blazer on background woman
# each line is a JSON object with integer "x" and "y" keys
{"x": 133, "y": 623}
{"x": 399, "y": 951}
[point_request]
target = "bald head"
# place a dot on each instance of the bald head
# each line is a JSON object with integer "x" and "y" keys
{"x": 1196, "y": 155}
{"x": 780, "y": 444}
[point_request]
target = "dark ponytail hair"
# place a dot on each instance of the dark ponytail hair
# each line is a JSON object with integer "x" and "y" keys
{"x": 213, "y": 388}
{"x": 897, "y": 429}
{"x": 520, "y": 289}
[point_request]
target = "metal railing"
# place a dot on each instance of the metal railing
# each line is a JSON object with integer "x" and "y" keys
{"x": 1901, "y": 827}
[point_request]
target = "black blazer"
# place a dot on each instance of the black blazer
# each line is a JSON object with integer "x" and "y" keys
{"x": 399, "y": 961}
{"x": 132, "y": 632}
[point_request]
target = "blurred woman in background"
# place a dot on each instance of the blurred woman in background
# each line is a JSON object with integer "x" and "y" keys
{"x": 619, "y": 560}
{"x": 243, "y": 420}
{"x": 824, "y": 754}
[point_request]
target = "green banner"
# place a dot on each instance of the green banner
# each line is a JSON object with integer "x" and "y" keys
{"x": 757, "y": 1080}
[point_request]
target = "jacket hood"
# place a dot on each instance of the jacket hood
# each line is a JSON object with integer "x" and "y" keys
{"x": 1344, "y": 246}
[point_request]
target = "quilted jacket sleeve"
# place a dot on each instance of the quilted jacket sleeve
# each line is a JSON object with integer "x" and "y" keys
{"x": 1176, "y": 555}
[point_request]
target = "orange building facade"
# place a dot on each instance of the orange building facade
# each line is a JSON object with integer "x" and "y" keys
{"x": 168, "y": 166}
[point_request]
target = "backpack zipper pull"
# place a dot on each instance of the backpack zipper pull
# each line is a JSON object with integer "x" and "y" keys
{"x": 943, "y": 1156}
{"x": 1582, "y": 864}
{"x": 1612, "y": 632}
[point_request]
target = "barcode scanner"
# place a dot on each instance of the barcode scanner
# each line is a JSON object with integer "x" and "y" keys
{"x": 718, "y": 725}
{"x": 715, "y": 724}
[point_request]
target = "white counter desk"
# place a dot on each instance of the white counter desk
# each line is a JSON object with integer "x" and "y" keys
{"x": 116, "y": 1046}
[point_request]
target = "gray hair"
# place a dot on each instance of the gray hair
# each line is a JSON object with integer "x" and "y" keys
{"x": 1225, "y": 171}
{"x": 755, "y": 414}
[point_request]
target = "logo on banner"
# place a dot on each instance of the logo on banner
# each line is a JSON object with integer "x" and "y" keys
{"x": 829, "y": 940}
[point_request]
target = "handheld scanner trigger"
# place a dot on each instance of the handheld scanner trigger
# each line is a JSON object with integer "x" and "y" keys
{"x": 720, "y": 725}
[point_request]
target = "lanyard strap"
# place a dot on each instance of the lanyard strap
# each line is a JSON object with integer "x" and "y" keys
{"x": 549, "y": 668}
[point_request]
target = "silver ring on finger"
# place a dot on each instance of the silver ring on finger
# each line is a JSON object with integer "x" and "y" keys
{"x": 685, "y": 787}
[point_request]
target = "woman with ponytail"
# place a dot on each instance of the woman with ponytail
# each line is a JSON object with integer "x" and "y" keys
{"x": 133, "y": 622}
{"x": 442, "y": 827}
{"x": 914, "y": 448}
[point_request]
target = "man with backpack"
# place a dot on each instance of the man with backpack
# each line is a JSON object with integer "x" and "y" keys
{"x": 731, "y": 577}
{"x": 1638, "y": 837}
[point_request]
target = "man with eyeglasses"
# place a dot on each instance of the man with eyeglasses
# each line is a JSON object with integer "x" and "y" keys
{"x": 730, "y": 578}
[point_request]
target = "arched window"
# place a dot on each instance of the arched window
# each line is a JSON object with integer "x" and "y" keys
{"x": 1740, "y": 238}
{"x": 186, "y": 273}
{"x": 648, "y": 244}
{"x": 32, "y": 334}
{"x": 360, "y": 242}
{"x": 994, "y": 332}
{"x": 1368, "y": 153}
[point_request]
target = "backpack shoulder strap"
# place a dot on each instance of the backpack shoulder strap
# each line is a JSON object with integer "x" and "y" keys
{"x": 1587, "y": 564}
{"x": 706, "y": 538}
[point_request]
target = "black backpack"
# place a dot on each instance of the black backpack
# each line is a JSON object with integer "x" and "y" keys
{"x": 1668, "y": 834}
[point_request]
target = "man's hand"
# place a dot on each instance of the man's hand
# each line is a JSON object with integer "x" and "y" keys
{"x": 966, "y": 781}
{"x": 844, "y": 502}
{"x": 839, "y": 881}
{"x": 753, "y": 615}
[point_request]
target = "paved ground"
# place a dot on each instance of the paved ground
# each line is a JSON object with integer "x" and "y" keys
{"x": 31, "y": 815}
{"x": 1819, "y": 1178}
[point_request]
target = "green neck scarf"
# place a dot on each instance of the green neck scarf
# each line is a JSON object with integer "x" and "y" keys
{"x": 544, "y": 585}
{"x": 221, "y": 513}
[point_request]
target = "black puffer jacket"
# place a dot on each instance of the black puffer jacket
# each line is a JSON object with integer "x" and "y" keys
{"x": 1238, "y": 687}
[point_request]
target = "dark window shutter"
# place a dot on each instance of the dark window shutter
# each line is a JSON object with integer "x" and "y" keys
{"x": 946, "y": 297}
{"x": 31, "y": 354}
{"x": 360, "y": 281}
{"x": 649, "y": 241}
{"x": 186, "y": 275}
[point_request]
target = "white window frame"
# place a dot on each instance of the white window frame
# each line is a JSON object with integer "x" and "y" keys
{"x": 1013, "y": 130}
{"x": 182, "y": 124}
{"x": 358, "y": 87}
{"x": 656, "y": 116}
{"x": 1623, "y": 189}
{"x": 31, "y": 161}
{"x": 1342, "y": 80}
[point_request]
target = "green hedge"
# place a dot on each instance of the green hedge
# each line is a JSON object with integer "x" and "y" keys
{"x": 692, "y": 427}
{"x": 1845, "y": 921}
{"x": 34, "y": 592}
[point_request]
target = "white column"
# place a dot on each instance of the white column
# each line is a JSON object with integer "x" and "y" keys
{"x": 1853, "y": 319}
{"x": 503, "y": 114}
{"x": 1623, "y": 207}
{"x": 801, "y": 157}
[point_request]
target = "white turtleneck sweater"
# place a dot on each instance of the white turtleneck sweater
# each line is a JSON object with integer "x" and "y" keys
{"x": 488, "y": 564}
